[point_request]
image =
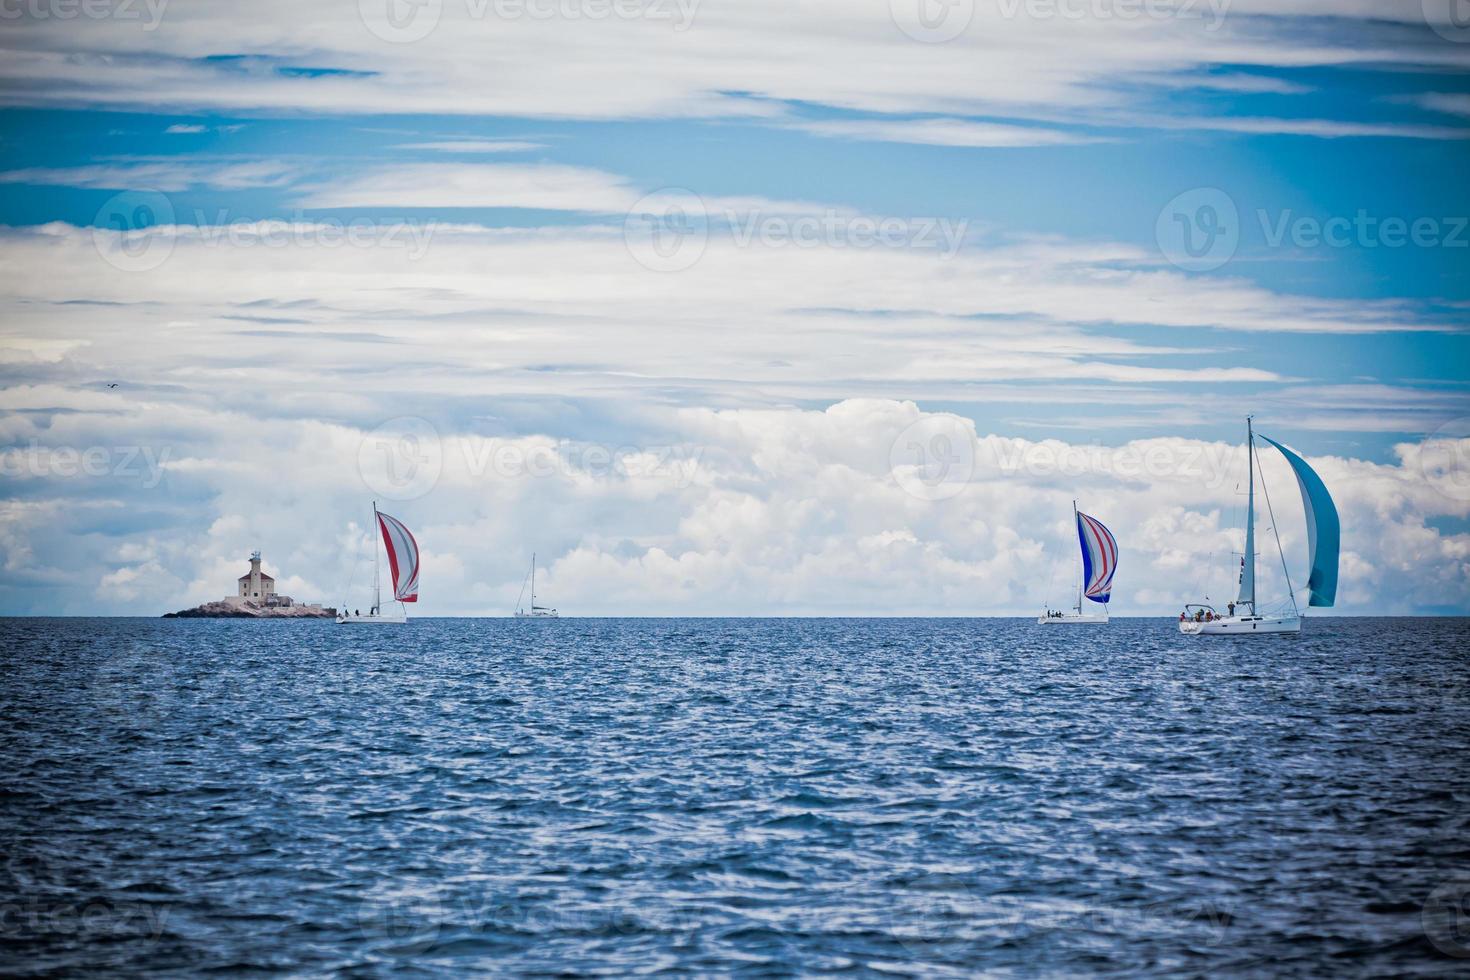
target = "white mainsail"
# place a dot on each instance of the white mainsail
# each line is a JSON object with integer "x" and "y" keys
{"x": 1247, "y": 593}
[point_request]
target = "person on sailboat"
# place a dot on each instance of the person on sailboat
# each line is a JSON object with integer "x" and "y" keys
{"x": 1232, "y": 609}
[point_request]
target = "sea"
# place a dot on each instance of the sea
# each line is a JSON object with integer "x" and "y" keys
{"x": 713, "y": 797}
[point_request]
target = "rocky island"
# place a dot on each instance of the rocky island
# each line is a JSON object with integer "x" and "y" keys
{"x": 255, "y": 598}
{"x": 223, "y": 609}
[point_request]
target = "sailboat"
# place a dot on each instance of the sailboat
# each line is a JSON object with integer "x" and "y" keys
{"x": 535, "y": 612}
{"x": 403, "y": 564}
{"x": 1099, "y": 563}
{"x": 1324, "y": 534}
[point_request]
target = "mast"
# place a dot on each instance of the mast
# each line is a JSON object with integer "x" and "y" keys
{"x": 1079, "y": 583}
{"x": 533, "y": 581}
{"x": 377, "y": 588}
{"x": 1247, "y": 594}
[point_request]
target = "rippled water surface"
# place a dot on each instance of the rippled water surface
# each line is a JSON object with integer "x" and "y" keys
{"x": 709, "y": 796}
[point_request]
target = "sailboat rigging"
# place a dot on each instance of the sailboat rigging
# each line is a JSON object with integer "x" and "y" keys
{"x": 1099, "y": 564}
{"x": 1324, "y": 532}
{"x": 535, "y": 612}
{"x": 403, "y": 567}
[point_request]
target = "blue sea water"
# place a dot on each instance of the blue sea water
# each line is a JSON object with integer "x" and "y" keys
{"x": 762, "y": 797}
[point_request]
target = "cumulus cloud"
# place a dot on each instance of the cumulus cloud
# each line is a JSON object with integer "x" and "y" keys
{"x": 699, "y": 510}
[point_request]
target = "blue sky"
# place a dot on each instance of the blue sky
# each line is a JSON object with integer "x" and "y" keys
{"x": 1039, "y": 171}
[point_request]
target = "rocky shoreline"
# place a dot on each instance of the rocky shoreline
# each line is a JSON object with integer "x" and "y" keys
{"x": 249, "y": 610}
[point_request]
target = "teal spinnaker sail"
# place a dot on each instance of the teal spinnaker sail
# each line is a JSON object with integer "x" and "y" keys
{"x": 1324, "y": 531}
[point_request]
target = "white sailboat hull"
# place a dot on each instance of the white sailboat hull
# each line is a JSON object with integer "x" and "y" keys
{"x": 1073, "y": 619}
{"x": 1242, "y": 625}
{"x": 388, "y": 619}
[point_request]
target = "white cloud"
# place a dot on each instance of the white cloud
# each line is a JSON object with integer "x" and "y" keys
{"x": 168, "y": 175}
{"x": 1325, "y": 128}
{"x": 734, "y": 58}
{"x": 943, "y": 132}
{"x": 723, "y": 511}
{"x": 473, "y": 146}
{"x": 1454, "y": 103}
{"x": 446, "y": 185}
{"x": 571, "y": 311}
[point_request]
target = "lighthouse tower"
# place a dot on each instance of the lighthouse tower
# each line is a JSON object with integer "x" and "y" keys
{"x": 255, "y": 584}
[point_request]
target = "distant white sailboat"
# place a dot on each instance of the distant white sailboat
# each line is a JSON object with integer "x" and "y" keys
{"x": 535, "y": 612}
{"x": 1324, "y": 535}
{"x": 403, "y": 563}
{"x": 1099, "y": 563}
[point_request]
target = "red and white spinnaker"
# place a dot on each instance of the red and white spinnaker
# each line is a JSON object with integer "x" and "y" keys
{"x": 403, "y": 557}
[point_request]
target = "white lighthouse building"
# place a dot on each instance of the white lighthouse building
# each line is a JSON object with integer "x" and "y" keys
{"x": 257, "y": 585}
{"x": 255, "y": 590}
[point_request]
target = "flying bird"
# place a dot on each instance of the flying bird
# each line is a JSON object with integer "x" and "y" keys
{"x": 113, "y": 385}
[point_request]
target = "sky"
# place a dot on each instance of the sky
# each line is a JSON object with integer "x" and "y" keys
{"x": 730, "y": 307}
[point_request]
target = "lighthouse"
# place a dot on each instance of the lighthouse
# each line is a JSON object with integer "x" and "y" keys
{"x": 255, "y": 584}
